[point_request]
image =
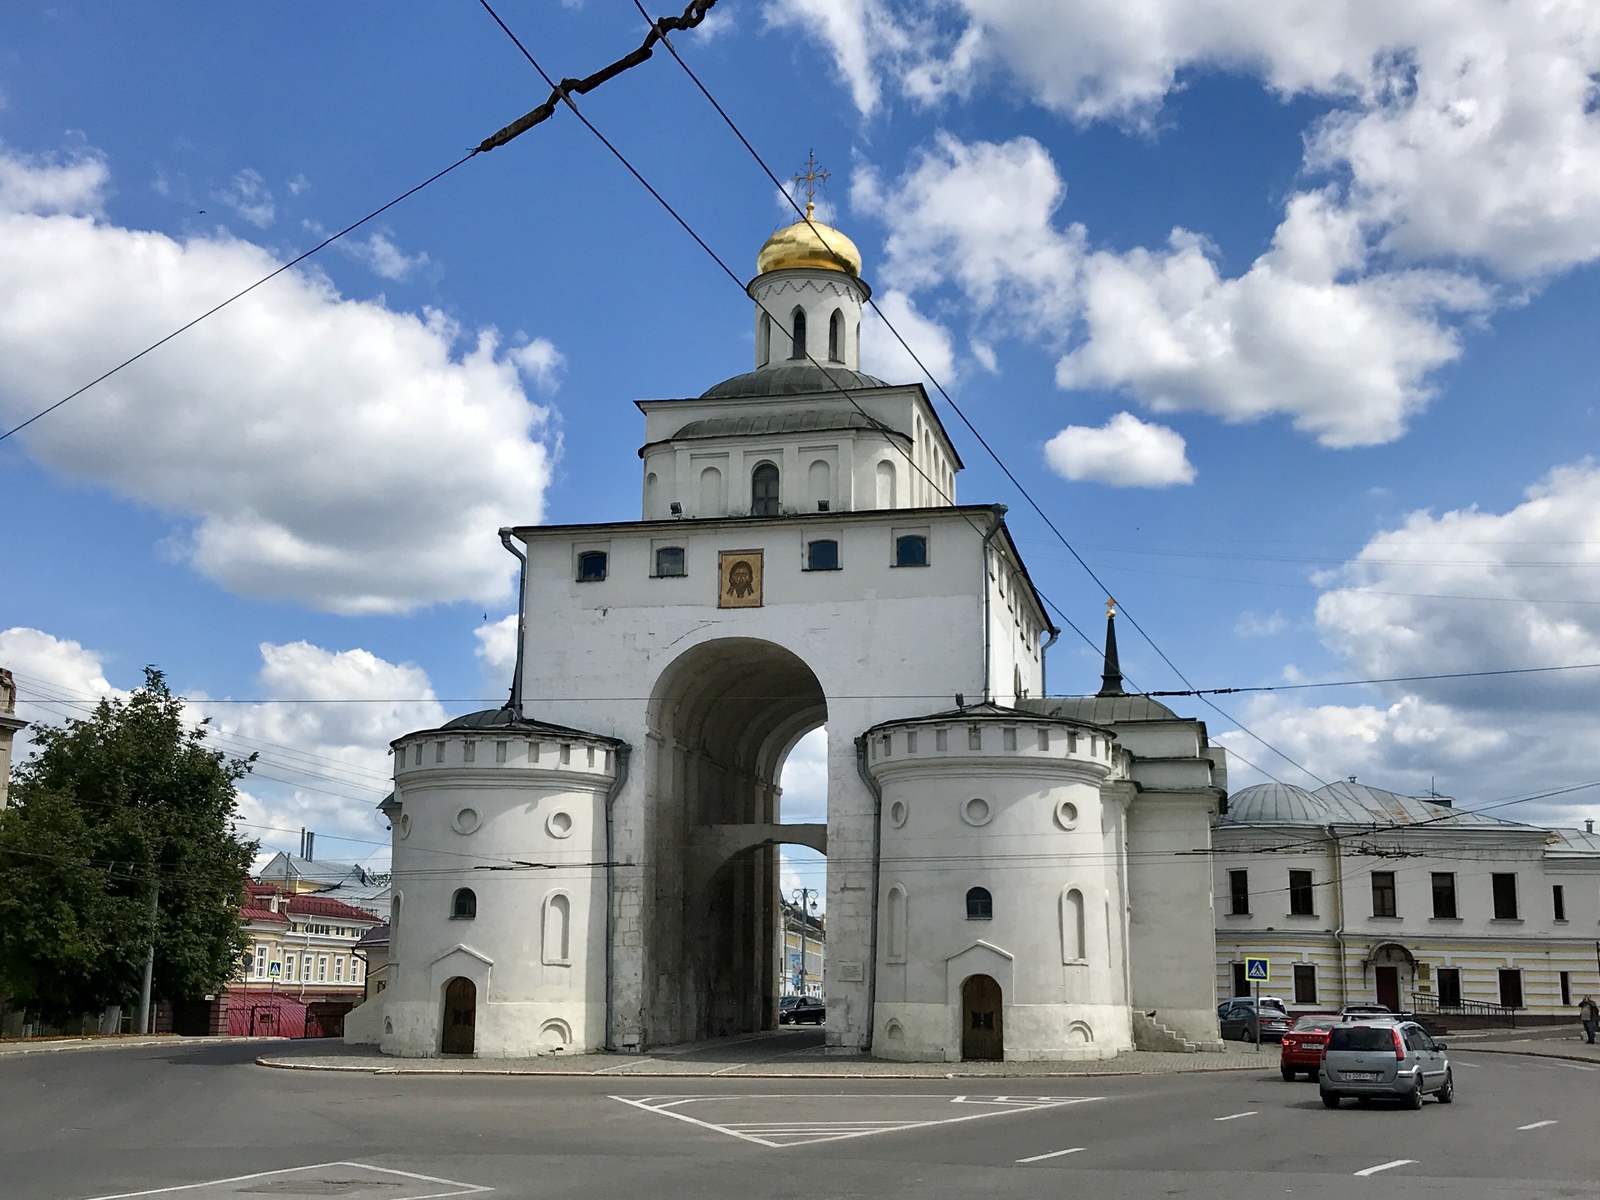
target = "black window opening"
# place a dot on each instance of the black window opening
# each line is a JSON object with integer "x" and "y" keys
{"x": 911, "y": 550}
{"x": 1558, "y": 899}
{"x": 1566, "y": 989}
{"x": 1302, "y": 896}
{"x": 1450, "y": 986}
{"x": 980, "y": 905}
{"x": 1444, "y": 895}
{"x": 669, "y": 562}
{"x": 1383, "y": 902}
{"x": 836, "y": 337}
{"x": 1241, "y": 982}
{"x": 1510, "y": 988}
{"x": 822, "y": 555}
{"x": 764, "y": 347}
{"x": 799, "y": 350}
{"x": 591, "y": 566}
{"x": 764, "y": 490}
{"x": 1239, "y": 893}
{"x": 1505, "y": 897}
{"x": 464, "y": 905}
{"x": 1305, "y": 983}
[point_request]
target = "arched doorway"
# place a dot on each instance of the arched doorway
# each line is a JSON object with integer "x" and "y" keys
{"x": 982, "y": 1020}
{"x": 1393, "y": 967}
{"x": 460, "y": 1016}
{"x": 724, "y": 717}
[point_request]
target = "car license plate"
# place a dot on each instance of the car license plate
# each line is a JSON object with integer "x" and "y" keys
{"x": 1361, "y": 1075}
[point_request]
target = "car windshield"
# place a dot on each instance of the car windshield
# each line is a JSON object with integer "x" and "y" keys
{"x": 1361, "y": 1037}
{"x": 1316, "y": 1022}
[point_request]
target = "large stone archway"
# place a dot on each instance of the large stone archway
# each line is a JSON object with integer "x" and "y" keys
{"x": 722, "y": 719}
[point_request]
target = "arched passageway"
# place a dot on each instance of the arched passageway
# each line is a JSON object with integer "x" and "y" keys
{"x": 460, "y": 1017}
{"x": 723, "y": 718}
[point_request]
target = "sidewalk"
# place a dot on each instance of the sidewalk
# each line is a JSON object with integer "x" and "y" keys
{"x": 119, "y": 1041}
{"x": 1557, "y": 1041}
{"x": 758, "y": 1056}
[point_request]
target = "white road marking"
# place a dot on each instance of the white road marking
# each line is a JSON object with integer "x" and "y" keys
{"x": 1236, "y": 1116}
{"x": 1052, "y": 1154}
{"x": 778, "y": 1134}
{"x": 1399, "y": 1162}
{"x": 1536, "y": 1125}
{"x": 1574, "y": 1066}
{"x": 461, "y": 1189}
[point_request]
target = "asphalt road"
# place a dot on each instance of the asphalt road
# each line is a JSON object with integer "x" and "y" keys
{"x": 103, "y": 1123}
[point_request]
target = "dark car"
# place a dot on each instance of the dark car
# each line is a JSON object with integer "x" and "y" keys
{"x": 1239, "y": 1019}
{"x": 801, "y": 1010}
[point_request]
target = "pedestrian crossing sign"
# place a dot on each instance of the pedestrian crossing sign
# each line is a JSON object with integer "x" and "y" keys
{"x": 1257, "y": 968}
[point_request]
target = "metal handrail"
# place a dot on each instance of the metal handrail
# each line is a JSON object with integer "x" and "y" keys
{"x": 1481, "y": 1009}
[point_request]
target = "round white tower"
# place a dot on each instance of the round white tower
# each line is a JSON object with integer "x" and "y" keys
{"x": 808, "y": 294}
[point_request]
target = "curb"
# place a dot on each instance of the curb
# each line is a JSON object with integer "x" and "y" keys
{"x": 146, "y": 1043}
{"x": 1579, "y": 1058}
{"x": 724, "y": 1072}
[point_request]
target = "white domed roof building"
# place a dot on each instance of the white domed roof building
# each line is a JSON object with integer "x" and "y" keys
{"x": 1010, "y": 875}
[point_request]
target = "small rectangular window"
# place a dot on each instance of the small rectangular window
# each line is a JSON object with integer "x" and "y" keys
{"x": 591, "y": 566}
{"x": 669, "y": 562}
{"x": 1383, "y": 902}
{"x": 1239, "y": 893}
{"x": 469, "y": 750}
{"x": 1505, "y": 896}
{"x": 911, "y": 741}
{"x": 1450, "y": 987}
{"x": 1444, "y": 895}
{"x": 1305, "y": 983}
{"x": 1008, "y": 739}
{"x": 941, "y": 739}
{"x": 911, "y": 550}
{"x": 1566, "y": 989}
{"x": 1241, "y": 983}
{"x": 822, "y": 555}
{"x": 322, "y": 968}
{"x": 1510, "y": 988}
{"x": 1044, "y": 739}
{"x": 1302, "y": 897}
{"x": 974, "y": 737}
{"x": 338, "y": 969}
{"x": 1558, "y": 899}
{"x": 500, "y": 752}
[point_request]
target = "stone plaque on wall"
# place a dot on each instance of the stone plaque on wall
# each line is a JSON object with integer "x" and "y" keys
{"x": 739, "y": 579}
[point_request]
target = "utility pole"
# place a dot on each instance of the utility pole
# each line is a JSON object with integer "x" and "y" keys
{"x": 149, "y": 961}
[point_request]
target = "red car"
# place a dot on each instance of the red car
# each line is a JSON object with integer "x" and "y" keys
{"x": 1304, "y": 1043}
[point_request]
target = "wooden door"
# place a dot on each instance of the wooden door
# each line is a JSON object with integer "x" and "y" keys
{"x": 982, "y": 1030}
{"x": 1388, "y": 980}
{"x": 460, "y": 1016}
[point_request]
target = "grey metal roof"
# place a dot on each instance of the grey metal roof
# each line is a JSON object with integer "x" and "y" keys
{"x": 759, "y": 423}
{"x": 1348, "y": 803}
{"x": 507, "y": 719}
{"x": 1100, "y": 710}
{"x": 792, "y": 379}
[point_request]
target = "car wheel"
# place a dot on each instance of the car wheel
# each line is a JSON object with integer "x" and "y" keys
{"x": 1288, "y": 1074}
{"x": 1447, "y": 1090}
{"x": 1330, "y": 1099}
{"x": 1414, "y": 1096}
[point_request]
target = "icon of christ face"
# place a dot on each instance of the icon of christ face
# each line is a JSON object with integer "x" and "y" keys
{"x": 741, "y": 580}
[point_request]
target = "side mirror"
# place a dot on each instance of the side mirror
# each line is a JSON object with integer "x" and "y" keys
{"x": 1441, "y": 1045}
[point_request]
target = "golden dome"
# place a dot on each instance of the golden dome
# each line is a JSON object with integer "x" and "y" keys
{"x": 815, "y": 245}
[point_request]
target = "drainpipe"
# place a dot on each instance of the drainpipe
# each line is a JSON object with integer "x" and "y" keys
{"x": 877, "y": 859}
{"x": 1338, "y": 906}
{"x": 515, "y": 702}
{"x": 999, "y": 521}
{"x": 611, "y": 795}
{"x": 1044, "y": 686}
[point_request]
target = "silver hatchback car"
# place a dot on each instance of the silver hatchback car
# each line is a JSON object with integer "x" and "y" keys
{"x": 1374, "y": 1057}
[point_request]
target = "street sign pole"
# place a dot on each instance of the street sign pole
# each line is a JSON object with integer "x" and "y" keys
{"x": 1258, "y": 1016}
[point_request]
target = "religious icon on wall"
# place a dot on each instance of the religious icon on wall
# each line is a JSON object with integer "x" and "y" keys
{"x": 739, "y": 579}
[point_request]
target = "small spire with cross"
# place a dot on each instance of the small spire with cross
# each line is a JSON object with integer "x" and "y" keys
{"x": 809, "y": 181}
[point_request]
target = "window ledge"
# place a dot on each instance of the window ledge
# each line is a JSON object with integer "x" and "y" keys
{"x": 1376, "y": 917}
{"x": 1562, "y": 921}
{"x": 1505, "y": 920}
{"x": 1244, "y": 916}
{"x": 1451, "y": 920}
{"x": 1301, "y": 917}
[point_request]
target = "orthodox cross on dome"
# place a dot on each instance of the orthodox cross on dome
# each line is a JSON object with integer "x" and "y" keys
{"x": 809, "y": 181}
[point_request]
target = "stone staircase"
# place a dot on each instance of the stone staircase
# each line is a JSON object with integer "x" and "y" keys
{"x": 1151, "y": 1034}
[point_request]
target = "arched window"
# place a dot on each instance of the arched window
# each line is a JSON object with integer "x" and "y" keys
{"x": 669, "y": 562}
{"x": 652, "y": 486}
{"x": 764, "y": 490}
{"x": 911, "y": 550}
{"x": 895, "y": 933}
{"x": 799, "y": 347}
{"x": 557, "y": 928}
{"x": 591, "y": 566}
{"x": 980, "y": 905}
{"x": 464, "y": 905}
{"x": 819, "y": 483}
{"x": 822, "y": 555}
{"x": 886, "y": 488}
{"x": 710, "y": 493}
{"x": 836, "y": 337}
{"x": 1072, "y": 931}
{"x": 764, "y": 341}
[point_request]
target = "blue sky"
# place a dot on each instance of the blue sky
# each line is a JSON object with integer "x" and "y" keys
{"x": 1284, "y": 312}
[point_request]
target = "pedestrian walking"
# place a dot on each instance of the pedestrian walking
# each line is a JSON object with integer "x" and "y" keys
{"x": 1589, "y": 1014}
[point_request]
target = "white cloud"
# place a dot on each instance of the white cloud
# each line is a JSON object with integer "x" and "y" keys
{"x": 1124, "y": 452}
{"x": 297, "y": 185}
{"x": 383, "y": 257}
{"x": 249, "y": 196}
{"x": 717, "y": 22}
{"x": 539, "y": 361}
{"x": 497, "y": 650}
{"x": 316, "y": 449}
{"x": 883, "y": 355}
{"x": 857, "y": 31}
{"x": 1462, "y": 591}
{"x": 804, "y": 780}
{"x": 56, "y": 678}
{"x": 1254, "y": 625}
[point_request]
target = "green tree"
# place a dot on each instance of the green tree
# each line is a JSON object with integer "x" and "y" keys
{"x": 108, "y": 808}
